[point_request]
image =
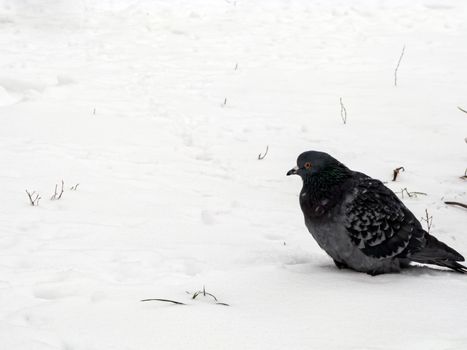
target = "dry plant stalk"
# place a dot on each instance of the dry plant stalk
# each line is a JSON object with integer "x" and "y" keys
{"x": 410, "y": 194}
{"x": 56, "y": 195}
{"x": 165, "y": 300}
{"x": 428, "y": 219}
{"x": 343, "y": 111}
{"x": 33, "y": 200}
{"x": 398, "y": 64}
{"x": 396, "y": 171}
{"x": 204, "y": 294}
{"x": 457, "y": 203}
{"x": 262, "y": 156}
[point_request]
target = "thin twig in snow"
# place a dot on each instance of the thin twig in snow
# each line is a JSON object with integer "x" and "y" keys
{"x": 428, "y": 219}
{"x": 343, "y": 111}
{"x": 262, "y": 156}
{"x": 410, "y": 194}
{"x": 34, "y": 201}
{"x": 457, "y": 203}
{"x": 204, "y": 294}
{"x": 165, "y": 300}
{"x": 225, "y": 304}
{"x": 461, "y": 109}
{"x": 397, "y": 67}
{"x": 396, "y": 171}
{"x": 56, "y": 195}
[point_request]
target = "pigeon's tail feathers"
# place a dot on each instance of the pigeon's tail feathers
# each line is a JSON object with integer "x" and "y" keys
{"x": 438, "y": 253}
{"x": 436, "y": 250}
{"x": 454, "y": 265}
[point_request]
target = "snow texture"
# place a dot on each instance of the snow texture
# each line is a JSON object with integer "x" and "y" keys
{"x": 159, "y": 109}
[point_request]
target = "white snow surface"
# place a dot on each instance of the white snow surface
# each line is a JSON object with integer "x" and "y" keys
{"x": 159, "y": 109}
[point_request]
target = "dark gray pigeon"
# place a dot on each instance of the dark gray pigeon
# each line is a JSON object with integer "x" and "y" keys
{"x": 361, "y": 223}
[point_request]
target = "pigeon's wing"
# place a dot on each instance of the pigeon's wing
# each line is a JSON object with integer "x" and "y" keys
{"x": 379, "y": 223}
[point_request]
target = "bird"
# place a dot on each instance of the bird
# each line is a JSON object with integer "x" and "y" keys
{"x": 360, "y": 223}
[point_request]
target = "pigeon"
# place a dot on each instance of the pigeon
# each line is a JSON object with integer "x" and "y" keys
{"x": 360, "y": 223}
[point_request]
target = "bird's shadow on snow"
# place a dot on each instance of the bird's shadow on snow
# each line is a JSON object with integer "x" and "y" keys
{"x": 422, "y": 270}
{"x": 411, "y": 271}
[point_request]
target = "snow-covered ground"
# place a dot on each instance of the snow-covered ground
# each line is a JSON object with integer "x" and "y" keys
{"x": 159, "y": 109}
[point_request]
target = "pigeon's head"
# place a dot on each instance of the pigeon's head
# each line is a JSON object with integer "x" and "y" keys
{"x": 314, "y": 162}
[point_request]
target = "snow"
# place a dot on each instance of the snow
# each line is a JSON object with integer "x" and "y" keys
{"x": 159, "y": 109}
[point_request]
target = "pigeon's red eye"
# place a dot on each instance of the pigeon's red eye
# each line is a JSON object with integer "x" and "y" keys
{"x": 307, "y": 165}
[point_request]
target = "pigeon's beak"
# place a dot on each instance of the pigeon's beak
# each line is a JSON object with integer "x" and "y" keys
{"x": 293, "y": 171}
